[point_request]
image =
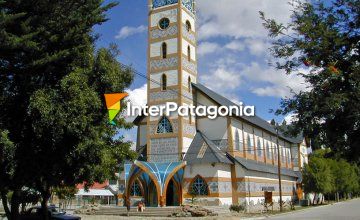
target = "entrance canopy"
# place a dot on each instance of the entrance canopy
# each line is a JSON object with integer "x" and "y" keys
{"x": 160, "y": 173}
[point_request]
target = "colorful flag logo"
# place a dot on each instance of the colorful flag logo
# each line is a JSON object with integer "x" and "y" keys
{"x": 113, "y": 105}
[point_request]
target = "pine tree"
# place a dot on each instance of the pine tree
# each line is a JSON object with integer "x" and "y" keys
{"x": 53, "y": 118}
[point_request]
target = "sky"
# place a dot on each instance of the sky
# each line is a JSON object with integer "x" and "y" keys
{"x": 233, "y": 55}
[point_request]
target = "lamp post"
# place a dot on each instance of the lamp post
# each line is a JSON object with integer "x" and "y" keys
{"x": 279, "y": 165}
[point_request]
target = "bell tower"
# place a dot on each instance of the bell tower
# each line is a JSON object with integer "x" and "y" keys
{"x": 172, "y": 67}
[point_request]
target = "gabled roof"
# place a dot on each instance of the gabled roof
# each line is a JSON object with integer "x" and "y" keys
{"x": 262, "y": 167}
{"x": 202, "y": 150}
{"x": 253, "y": 120}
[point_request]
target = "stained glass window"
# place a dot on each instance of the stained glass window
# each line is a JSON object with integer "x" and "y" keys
{"x": 199, "y": 187}
{"x": 164, "y": 23}
{"x": 164, "y": 126}
{"x": 135, "y": 189}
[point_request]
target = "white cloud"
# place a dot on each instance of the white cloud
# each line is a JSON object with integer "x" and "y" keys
{"x": 277, "y": 83}
{"x": 290, "y": 118}
{"x": 235, "y": 45}
{"x": 138, "y": 96}
{"x": 234, "y": 18}
{"x": 207, "y": 48}
{"x": 257, "y": 47}
{"x": 129, "y": 31}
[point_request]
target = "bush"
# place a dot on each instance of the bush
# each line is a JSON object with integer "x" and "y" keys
{"x": 237, "y": 208}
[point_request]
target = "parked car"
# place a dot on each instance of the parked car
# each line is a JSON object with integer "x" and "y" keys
{"x": 35, "y": 213}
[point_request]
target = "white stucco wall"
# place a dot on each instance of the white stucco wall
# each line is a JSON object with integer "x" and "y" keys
{"x": 185, "y": 45}
{"x": 171, "y": 77}
{"x": 186, "y": 144}
{"x": 207, "y": 170}
{"x": 172, "y": 47}
{"x": 185, "y": 77}
{"x": 186, "y": 17}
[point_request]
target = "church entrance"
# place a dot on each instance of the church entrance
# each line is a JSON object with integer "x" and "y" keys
{"x": 173, "y": 194}
{"x": 152, "y": 198}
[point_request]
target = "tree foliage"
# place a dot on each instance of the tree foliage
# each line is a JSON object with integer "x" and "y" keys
{"x": 53, "y": 120}
{"x": 321, "y": 43}
{"x": 329, "y": 176}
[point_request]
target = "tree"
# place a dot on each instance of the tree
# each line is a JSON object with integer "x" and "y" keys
{"x": 317, "y": 177}
{"x": 53, "y": 123}
{"x": 321, "y": 43}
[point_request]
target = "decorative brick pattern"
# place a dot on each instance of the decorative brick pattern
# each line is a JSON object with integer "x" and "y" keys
{"x": 158, "y": 33}
{"x": 163, "y": 95}
{"x": 164, "y": 150}
{"x": 188, "y": 65}
{"x": 189, "y": 35}
{"x": 165, "y": 63}
{"x": 259, "y": 187}
{"x": 189, "y": 129}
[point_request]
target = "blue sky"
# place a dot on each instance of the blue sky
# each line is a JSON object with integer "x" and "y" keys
{"x": 232, "y": 50}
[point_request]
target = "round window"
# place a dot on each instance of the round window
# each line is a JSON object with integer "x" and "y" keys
{"x": 164, "y": 23}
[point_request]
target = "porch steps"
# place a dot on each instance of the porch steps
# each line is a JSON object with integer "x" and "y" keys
{"x": 149, "y": 211}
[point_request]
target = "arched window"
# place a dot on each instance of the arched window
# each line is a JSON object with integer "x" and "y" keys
{"x": 163, "y": 82}
{"x": 199, "y": 187}
{"x": 189, "y": 83}
{"x": 268, "y": 150}
{"x": 250, "y": 145}
{"x": 135, "y": 189}
{"x": 189, "y": 53}
{"x": 237, "y": 140}
{"x": 188, "y": 26}
{"x": 164, "y": 50}
{"x": 164, "y": 126}
{"x": 259, "y": 148}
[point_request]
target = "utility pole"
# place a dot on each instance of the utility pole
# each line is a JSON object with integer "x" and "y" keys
{"x": 279, "y": 165}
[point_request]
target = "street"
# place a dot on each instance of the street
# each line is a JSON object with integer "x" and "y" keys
{"x": 344, "y": 211}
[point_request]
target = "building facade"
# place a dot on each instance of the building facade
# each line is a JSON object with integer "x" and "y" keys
{"x": 224, "y": 161}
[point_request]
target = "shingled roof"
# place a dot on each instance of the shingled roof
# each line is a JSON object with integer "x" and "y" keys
{"x": 203, "y": 151}
{"x": 252, "y": 120}
{"x": 262, "y": 167}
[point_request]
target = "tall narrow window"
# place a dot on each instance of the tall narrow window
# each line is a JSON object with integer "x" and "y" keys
{"x": 188, "y": 26}
{"x": 189, "y": 53}
{"x": 199, "y": 187}
{"x": 164, "y": 126}
{"x": 268, "y": 150}
{"x": 164, "y": 50}
{"x": 259, "y": 147}
{"x": 189, "y": 83}
{"x": 237, "y": 140}
{"x": 250, "y": 145}
{"x": 163, "y": 82}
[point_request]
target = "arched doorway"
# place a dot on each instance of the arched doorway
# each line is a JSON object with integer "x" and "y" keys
{"x": 152, "y": 198}
{"x": 173, "y": 194}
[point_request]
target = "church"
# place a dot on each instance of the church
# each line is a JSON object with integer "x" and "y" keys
{"x": 213, "y": 162}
